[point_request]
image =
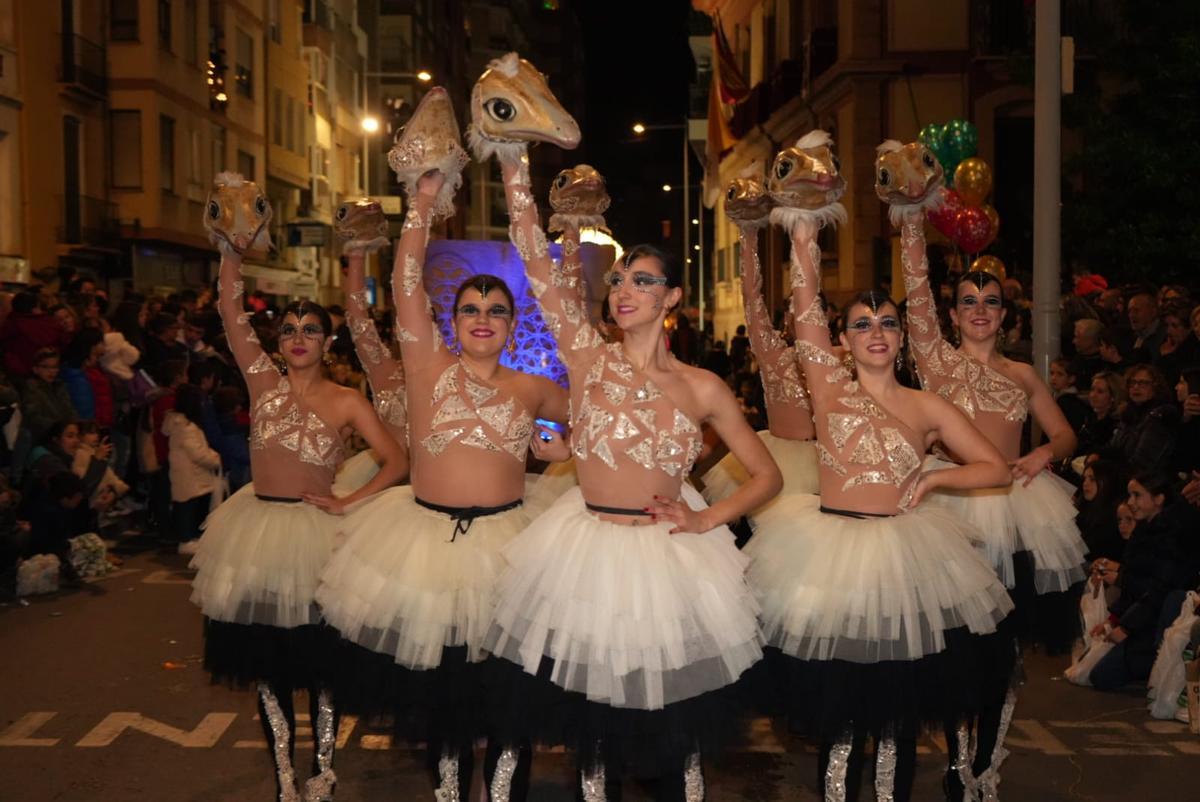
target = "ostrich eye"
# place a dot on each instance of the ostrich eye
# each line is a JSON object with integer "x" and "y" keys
{"x": 341, "y": 213}
{"x": 214, "y": 210}
{"x": 783, "y": 168}
{"x": 731, "y": 194}
{"x": 837, "y": 165}
{"x": 927, "y": 159}
{"x": 500, "y": 109}
{"x": 884, "y": 177}
{"x": 260, "y": 205}
{"x": 561, "y": 181}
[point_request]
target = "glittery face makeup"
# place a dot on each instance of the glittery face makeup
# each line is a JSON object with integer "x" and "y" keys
{"x": 475, "y": 310}
{"x": 639, "y": 280}
{"x": 886, "y": 322}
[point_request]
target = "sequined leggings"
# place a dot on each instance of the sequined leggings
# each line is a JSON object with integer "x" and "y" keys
{"x": 906, "y": 766}
{"x": 275, "y": 699}
{"x": 464, "y": 755}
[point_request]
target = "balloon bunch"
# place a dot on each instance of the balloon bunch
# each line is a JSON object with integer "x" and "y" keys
{"x": 963, "y": 217}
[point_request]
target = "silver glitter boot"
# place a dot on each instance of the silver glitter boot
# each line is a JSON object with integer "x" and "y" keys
{"x": 320, "y": 788}
{"x": 885, "y": 768}
{"x": 447, "y": 791}
{"x": 593, "y": 785}
{"x": 693, "y": 779}
{"x": 835, "y": 772}
{"x": 506, "y": 766}
{"x": 281, "y": 743}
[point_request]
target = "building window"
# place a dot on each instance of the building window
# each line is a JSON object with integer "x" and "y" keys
{"x": 244, "y": 68}
{"x": 246, "y": 165}
{"x": 273, "y": 28}
{"x": 291, "y": 124}
{"x": 218, "y": 149}
{"x": 277, "y": 116}
{"x": 123, "y": 20}
{"x": 164, "y": 24}
{"x": 191, "y": 30}
{"x": 72, "y": 179}
{"x": 166, "y": 153}
{"x": 194, "y": 148}
{"x": 126, "y": 149}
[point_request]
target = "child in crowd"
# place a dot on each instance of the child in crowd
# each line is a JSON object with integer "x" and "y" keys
{"x": 232, "y": 441}
{"x": 193, "y": 466}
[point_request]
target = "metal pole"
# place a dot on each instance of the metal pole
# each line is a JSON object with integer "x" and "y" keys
{"x": 687, "y": 251}
{"x": 700, "y": 253}
{"x": 366, "y": 142}
{"x": 1047, "y": 132}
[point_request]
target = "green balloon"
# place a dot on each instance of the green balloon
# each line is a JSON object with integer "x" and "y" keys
{"x": 933, "y": 136}
{"x": 961, "y": 140}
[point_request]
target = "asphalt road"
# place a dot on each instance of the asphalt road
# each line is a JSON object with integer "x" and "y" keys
{"x": 104, "y": 699}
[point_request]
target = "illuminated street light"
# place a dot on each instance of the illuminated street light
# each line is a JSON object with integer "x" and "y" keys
{"x": 695, "y": 247}
{"x": 695, "y": 222}
{"x": 370, "y": 124}
{"x": 639, "y": 129}
{"x": 666, "y": 187}
{"x": 424, "y": 76}
{"x": 222, "y": 97}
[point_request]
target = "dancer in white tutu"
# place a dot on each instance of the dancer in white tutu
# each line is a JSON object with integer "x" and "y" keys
{"x": 624, "y": 617}
{"x": 411, "y": 588}
{"x": 789, "y": 436}
{"x": 262, "y": 551}
{"x": 872, "y": 600}
{"x": 1029, "y": 536}
{"x": 362, "y": 226}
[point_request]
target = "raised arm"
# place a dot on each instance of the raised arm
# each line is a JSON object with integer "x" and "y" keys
{"x": 416, "y": 330}
{"x": 570, "y": 271}
{"x": 934, "y": 356}
{"x": 257, "y": 368}
{"x": 560, "y": 301}
{"x": 767, "y": 343}
{"x": 375, "y": 357}
{"x": 822, "y": 369}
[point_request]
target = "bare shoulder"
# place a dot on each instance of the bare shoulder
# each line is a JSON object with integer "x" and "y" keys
{"x": 1023, "y": 374}
{"x": 347, "y": 395}
{"x": 706, "y": 387}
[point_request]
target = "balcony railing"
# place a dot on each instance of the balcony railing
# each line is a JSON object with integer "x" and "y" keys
{"x": 83, "y": 65}
{"x": 781, "y": 86}
{"x": 85, "y": 220}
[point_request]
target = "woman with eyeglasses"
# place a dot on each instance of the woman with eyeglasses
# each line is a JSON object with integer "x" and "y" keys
{"x": 411, "y": 589}
{"x": 874, "y": 603}
{"x": 1029, "y": 533}
{"x": 1149, "y": 426}
{"x": 624, "y": 619}
{"x": 259, "y": 559}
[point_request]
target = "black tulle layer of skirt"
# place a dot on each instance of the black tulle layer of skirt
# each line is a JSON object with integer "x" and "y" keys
{"x": 1047, "y": 622}
{"x": 241, "y": 655}
{"x": 446, "y": 703}
{"x": 826, "y": 698}
{"x": 642, "y": 743}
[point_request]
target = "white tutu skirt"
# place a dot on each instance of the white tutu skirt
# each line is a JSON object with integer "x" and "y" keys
{"x": 1039, "y": 519}
{"x": 631, "y": 616}
{"x": 543, "y": 489}
{"x": 797, "y": 461}
{"x": 867, "y": 590}
{"x": 355, "y": 472}
{"x": 405, "y": 584}
{"x": 258, "y": 562}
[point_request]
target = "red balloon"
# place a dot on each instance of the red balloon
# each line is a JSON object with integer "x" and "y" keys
{"x": 945, "y": 217}
{"x": 972, "y": 230}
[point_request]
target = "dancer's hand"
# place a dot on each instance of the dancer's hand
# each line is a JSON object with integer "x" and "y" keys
{"x": 679, "y": 513}
{"x": 330, "y": 504}
{"x": 549, "y": 446}
{"x": 430, "y": 183}
{"x": 1030, "y": 465}
{"x": 1117, "y": 635}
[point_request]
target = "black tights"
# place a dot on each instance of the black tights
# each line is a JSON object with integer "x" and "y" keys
{"x": 666, "y": 788}
{"x": 284, "y": 693}
{"x": 906, "y": 765}
{"x": 437, "y": 748}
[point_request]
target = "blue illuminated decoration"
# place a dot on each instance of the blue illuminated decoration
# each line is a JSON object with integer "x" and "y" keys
{"x": 449, "y": 263}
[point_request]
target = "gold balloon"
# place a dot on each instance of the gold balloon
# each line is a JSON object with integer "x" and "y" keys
{"x": 990, "y": 264}
{"x": 973, "y": 180}
{"x": 994, "y": 218}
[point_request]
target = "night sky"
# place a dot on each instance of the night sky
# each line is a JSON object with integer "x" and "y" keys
{"x": 638, "y": 67}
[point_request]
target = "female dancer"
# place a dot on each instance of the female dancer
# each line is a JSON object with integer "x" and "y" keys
{"x": 627, "y": 602}
{"x": 1029, "y": 534}
{"x": 262, "y": 551}
{"x": 363, "y": 226}
{"x": 789, "y": 437}
{"x": 415, "y": 603}
{"x": 869, "y": 595}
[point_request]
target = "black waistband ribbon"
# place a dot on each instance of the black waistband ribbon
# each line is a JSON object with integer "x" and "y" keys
{"x": 463, "y": 517}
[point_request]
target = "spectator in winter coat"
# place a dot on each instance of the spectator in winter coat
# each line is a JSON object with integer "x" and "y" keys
{"x": 193, "y": 466}
{"x": 80, "y": 361}
{"x": 232, "y": 436}
{"x": 1146, "y": 434}
{"x": 44, "y": 397}
{"x": 27, "y": 331}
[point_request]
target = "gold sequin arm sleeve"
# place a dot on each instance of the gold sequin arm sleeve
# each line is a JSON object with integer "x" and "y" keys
{"x": 776, "y": 360}
{"x": 823, "y": 371}
{"x": 416, "y": 330}
{"x": 558, "y": 292}
{"x": 935, "y": 358}
{"x": 258, "y": 369}
{"x": 384, "y": 372}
